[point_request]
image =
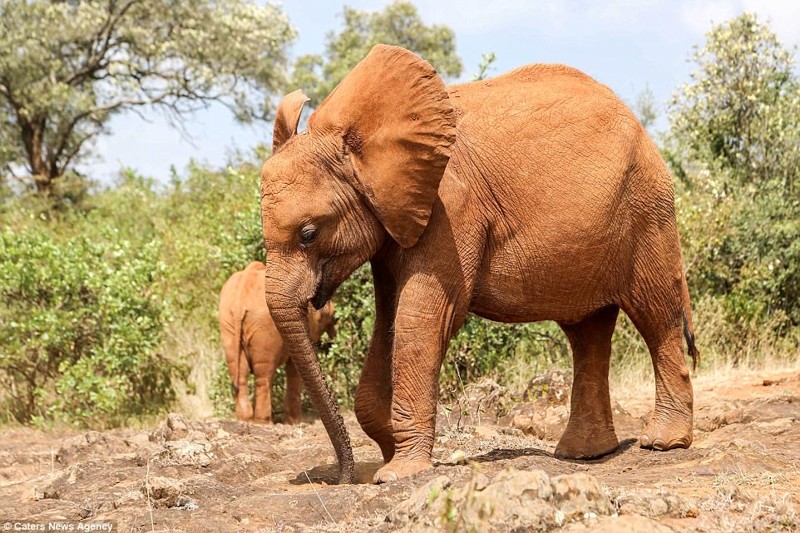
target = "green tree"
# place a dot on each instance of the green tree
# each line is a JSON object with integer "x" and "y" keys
{"x": 735, "y": 139}
{"x": 645, "y": 108}
{"x": 67, "y": 67}
{"x": 81, "y": 322}
{"x": 399, "y": 24}
{"x": 487, "y": 59}
{"x": 740, "y": 114}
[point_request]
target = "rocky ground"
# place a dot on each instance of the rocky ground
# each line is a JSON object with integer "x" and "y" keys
{"x": 494, "y": 470}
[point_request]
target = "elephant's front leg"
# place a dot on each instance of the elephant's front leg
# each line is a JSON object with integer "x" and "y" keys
{"x": 423, "y": 326}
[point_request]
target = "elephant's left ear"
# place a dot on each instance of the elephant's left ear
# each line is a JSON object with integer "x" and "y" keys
{"x": 287, "y": 117}
{"x": 394, "y": 120}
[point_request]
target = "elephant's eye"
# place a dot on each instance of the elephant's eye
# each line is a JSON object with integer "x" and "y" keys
{"x": 307, "y": 235}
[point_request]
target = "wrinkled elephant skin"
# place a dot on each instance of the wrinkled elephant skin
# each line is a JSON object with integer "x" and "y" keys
{"x": 536, "y": 195}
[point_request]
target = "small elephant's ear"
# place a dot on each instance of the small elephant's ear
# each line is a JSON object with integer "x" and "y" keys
{"x": 287, "y": 117}
{"x": 395, "y": 122}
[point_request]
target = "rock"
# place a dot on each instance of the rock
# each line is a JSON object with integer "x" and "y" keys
{"x": 195, "y": 436}
{"x": 174, "y": 427}
{"x": 538, "y": 419}
{"x": 554, "y": 386}
{"x": 184, "y": 453}
{"x": 131, "y": 497}
{"x": 713, "y": 417}
{"x": 458, "y": 457}
{"x": 484, "y": 432}
{"x": 138, "y": 440}
{"x": 622, "y": 524}
{"x": 653, "y": 504}
{"x": 481, "y": 403}
{"x": 72, "y": 446}
{"x": 578, "y": 494}
{"x": 162, "y": 491}
{"x": 420, "y": 501}
{"x": 512, "y": 500}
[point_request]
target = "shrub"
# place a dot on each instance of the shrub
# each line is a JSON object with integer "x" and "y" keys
{"x": 81, "y": 321}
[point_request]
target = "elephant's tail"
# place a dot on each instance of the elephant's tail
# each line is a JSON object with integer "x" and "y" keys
{"x": 688, "y": 328}
{"x": 241, "y": 359}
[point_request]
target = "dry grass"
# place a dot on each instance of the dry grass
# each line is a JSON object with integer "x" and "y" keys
{"x": 726, "y": 349}
{"x": 201, "y": 353}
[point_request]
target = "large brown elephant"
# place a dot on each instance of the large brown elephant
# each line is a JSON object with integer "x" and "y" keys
{"x": 536, "y": 195}
{"x": 253, "y": 344}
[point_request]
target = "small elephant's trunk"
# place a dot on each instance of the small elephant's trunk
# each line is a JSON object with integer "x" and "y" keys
{"x": 292, "y": 322}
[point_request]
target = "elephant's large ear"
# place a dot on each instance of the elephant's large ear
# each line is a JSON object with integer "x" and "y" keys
{"x": 287, "y": 117}
{"x": 394, "y": 119}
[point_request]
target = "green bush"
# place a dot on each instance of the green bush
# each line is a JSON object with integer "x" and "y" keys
{"x": 81, "y": 321}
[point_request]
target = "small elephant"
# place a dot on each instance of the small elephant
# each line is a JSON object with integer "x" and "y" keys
{"x": 253, "y": 344}
{"x": 535, "y": 195}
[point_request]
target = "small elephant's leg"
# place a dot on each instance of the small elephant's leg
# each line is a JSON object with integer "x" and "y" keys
{"x": 238, "y": 368}
{"x": 590, "y": 431}
{"x": 294, "y": 387}
{"x": 373, "y": 405}
{"x": 263, "y": 400}
{"x": 426, "y": 317}
{"x": 244, "y": 409}
{"x": 264, "y": 358}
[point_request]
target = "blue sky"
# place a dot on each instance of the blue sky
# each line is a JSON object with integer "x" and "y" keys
{"x": 627, "y": 44}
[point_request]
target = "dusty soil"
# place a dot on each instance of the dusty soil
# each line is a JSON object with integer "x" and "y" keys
{"x": 494, "y": 470}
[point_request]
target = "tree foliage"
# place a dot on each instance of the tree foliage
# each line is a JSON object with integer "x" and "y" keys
{"x": 399, "y": 24}
{"x": 740, "y": 114}
{"x": 645, "y": 108}
{"x": 67, "y": 67}
{"x": 81, "y": 322}
{"x": 736, "y": 141}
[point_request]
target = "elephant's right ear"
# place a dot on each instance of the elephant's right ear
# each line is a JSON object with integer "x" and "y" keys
{"x": 392, "y": 117}
{"x": 287, "y": 117}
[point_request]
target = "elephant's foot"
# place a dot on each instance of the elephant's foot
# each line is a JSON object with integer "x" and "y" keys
{"x": 666, "y": 434}
{"x": 292, "y": 420}
{"x": 244, "y": 412}
{"x": 399, "y": 468}
{"x": 586, "y": 444}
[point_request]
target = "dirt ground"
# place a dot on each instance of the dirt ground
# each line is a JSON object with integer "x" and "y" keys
{"x": 494, "y": 470}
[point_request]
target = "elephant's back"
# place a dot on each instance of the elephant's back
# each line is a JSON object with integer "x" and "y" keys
{"x": 549, "y": 127}
{"x": 533, "y": 86}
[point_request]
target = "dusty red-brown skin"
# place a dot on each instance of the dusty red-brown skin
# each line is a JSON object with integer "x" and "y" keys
{"x": 253, "y": 344}
{"x": 536, "y": 195}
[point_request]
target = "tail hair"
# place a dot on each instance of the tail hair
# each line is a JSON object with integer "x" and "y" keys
{"x": 689, "y": 336}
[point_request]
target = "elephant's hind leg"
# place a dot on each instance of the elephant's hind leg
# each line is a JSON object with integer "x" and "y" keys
{"x": 264, "y": 356}
{"x": 590, "y": 431}
{"x": 671, "y": 423}
{"x": 373, "y": 404}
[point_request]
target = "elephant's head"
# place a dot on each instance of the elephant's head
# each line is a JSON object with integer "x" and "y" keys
{"x": 366, "y": 170}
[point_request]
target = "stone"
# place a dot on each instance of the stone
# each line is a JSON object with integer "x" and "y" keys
{"x": 174, "y": 427}
{"x": 512, "y": 500}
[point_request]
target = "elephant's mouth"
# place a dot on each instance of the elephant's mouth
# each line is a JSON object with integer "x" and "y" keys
{"x": 320, "y": 297}
{"x": 324, "y": 290}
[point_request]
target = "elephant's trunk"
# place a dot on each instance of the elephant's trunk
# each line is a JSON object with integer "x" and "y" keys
{"x": 291, "y": 318}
